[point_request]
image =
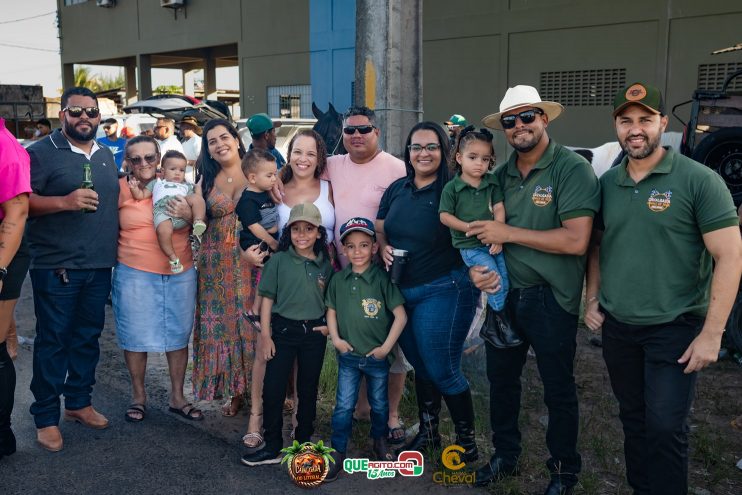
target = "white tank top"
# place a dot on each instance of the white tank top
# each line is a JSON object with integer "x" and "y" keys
{"x": 326, "y": 209}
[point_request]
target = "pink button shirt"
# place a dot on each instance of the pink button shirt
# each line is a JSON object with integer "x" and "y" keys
{"x": 15, "y": 167}
{"x": 357, "y": 189}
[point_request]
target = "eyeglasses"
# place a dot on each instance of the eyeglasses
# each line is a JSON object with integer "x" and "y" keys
{"x": 526, "y": 117}
{"x": 135, "y": 161}
{"x": 430, "y": 148}
{"x": 363, "y": 129}
{"x": 91, "y": 112}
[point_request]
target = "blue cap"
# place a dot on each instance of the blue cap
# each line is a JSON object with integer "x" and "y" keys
{"x": 359, "y": 224}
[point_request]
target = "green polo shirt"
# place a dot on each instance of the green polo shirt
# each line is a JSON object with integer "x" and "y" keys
{"x": 560, "y": 187}
{"x": 296, "y": 284}
{"x": 654, "y": 265}
{"x": 468, "y": 203}
{"x": 364, "y": 304}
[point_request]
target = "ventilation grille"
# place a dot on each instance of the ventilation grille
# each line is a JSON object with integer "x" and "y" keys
{"x": 290, "y": 102}
{"x": 582, "y": 88}
{"x": 712, "y": 76}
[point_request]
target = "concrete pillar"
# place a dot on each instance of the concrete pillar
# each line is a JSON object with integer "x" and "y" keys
{"x": 209, "y": 76}
{"x": 144, "y": 75}
{"x": 189, "y": 82}
{"x": 389, "y": 66}
{"x": 68, "y": 76}
{"x": 130, "y": 75}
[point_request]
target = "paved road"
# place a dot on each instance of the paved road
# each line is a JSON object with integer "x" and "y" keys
{"x": 164, "y": 454}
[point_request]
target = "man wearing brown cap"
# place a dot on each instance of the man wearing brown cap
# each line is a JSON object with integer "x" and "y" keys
{"x": 551, "y": 195}
{"x": 650, "y": 287}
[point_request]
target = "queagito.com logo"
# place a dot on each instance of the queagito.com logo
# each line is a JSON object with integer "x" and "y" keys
{"x": 408, "y": 463}
{"x": 452, "y": 474}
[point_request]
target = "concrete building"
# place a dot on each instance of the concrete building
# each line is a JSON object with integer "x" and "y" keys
{"x": 577, "y": 52}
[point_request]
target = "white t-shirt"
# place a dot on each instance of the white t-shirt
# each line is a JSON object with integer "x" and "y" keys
{"x": 164, "y": 189}
{"x": 170, "y": 143}
{"x": 192, "y": 147}
{"x": 323, "y": 204}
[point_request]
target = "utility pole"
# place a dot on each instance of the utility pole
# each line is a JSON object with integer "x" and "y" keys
{"x": 389, "y": 66}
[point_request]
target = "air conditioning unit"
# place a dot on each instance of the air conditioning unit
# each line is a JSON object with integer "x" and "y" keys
{"x": 172, "y": 4}
{"x": 105, "y": 3}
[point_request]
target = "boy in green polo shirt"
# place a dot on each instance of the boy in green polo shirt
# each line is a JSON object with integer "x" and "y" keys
{"x": 475, "y": 194}
{"x": 365, "y": 316}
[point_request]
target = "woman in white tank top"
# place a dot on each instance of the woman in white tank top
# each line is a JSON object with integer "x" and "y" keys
{"x": 307, "y": 159}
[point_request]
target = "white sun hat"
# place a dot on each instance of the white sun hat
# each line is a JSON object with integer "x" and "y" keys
{"x": 522, "y": 96}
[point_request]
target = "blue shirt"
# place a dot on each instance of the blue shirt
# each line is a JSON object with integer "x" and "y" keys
{"x": 280, "y": 160}
{"x": 116, "y": 147}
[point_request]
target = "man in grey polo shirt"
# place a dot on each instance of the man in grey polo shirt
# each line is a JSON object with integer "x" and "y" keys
{"x": 72, "y": 237}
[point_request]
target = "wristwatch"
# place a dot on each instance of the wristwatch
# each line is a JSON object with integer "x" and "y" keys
{"x": 3, "y": 273}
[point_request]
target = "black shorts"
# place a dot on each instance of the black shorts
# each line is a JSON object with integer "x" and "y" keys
{"x": 17, "y": 270}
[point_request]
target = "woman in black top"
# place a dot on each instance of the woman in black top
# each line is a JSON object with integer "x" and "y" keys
{"x": 440, "y": 299}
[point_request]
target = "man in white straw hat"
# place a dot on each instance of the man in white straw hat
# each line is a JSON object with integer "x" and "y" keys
{"x": 551, "y": 195}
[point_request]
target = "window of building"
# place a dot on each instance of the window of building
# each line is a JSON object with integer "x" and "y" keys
{"x": 712, "y": 76}
{"x": 290, "y": 102}
{"x": 579, "y": 88}
{"x": 73, "y": 2}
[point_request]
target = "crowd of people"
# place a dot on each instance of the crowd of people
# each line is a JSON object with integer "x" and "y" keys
{"x": 289, "y": 254}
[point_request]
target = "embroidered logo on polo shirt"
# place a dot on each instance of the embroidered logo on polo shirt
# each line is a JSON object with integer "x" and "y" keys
{"x": 321, "y": 282}
{"x": 371, "y": 307}
{"x": 659, "y": 201}
{"x": 542, "y": 195}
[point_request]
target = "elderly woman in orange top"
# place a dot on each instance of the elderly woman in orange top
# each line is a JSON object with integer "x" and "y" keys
{"x": 154, "y": 309}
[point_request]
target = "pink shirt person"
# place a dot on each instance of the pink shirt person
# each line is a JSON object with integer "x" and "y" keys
{"x": 15, "y": 167}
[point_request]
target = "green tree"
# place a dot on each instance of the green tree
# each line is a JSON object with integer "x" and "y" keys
{"x": 168, "y": 90}
{"x": 85, "y": 78}
{"x": 112, "y": 82}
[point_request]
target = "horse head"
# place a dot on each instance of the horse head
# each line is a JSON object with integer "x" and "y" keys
{"x": 330, "y": 126}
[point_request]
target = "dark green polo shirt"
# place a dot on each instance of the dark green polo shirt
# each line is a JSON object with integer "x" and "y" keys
{"x": 364, "y": 304}
{"x": 296, "y": 284}
{"x": 468, "y": 203}
{"x": 654, "y": 265}
{"x": 560, "y": 187}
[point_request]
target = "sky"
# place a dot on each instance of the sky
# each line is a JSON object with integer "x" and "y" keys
{"x": 29, "y": 50}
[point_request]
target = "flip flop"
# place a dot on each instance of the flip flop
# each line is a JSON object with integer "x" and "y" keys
{"x": 135, "y": 409}
{"x": 396, "y": 435}
{"x": 188, "y": 414}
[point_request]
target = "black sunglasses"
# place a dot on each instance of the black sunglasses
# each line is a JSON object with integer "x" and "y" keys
{"x": 526, "y": 117}
{"x": 363, "y": 129}
{"x": 137, "y": 160}
{"x": 91, "y": 112}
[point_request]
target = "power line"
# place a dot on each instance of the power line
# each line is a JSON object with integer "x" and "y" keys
{"x": 28, "y": 18}
{"x": 10, "y": 45}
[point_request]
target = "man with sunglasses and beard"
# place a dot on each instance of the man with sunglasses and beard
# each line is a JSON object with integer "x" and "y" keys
{"x": 551, "y": 195}
{"x": 72, "y": 237}
{"x": 651, "y": 288}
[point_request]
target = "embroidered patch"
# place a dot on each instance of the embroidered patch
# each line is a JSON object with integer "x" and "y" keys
{"x": 636, "y": 92}
{"x": 371, "y": 307}
{"x": 659, "y": 201}
{"x": 321, "y": 283}
{"x": 542, "y": 195}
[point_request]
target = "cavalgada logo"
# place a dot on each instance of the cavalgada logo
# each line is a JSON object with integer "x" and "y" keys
{"x": 308, "y": 463}
{"x": 659, "y": 201}
{"x": 542, "y": 195}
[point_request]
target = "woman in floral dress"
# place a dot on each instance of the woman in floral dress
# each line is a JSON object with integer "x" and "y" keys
{"x": 223, "y": 343}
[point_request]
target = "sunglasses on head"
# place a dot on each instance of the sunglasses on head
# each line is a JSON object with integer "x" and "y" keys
{"x": 91, "y": 112}
{"x": 363, "y": 129}
{"x": 430, "y": 148}
{"x": 527, "y": 116}
{"x": 137, "y": 160}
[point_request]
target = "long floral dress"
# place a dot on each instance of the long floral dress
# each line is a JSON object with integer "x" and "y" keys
{"x": 223, "y": 343}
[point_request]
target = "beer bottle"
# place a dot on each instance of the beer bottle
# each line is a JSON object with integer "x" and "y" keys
{"x": 87, "y": 182}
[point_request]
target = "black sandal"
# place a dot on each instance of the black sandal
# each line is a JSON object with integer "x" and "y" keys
{"x": 188, "y": 414}
{"x": 135, "y": 409}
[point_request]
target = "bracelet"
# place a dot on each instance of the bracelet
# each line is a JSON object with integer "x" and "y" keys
{"x": 594, "y": 298}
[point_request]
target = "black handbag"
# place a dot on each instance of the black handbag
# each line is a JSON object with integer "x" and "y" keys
{"x": 498, "y": 329}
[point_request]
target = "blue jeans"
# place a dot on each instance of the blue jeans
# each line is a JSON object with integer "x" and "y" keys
{"x": 69, "y": 321}
{"x": 438, "y": 317}
{"x": 350, "y": 370}
{"x": 495, "y": 262}
{"x": 551, "y": 331}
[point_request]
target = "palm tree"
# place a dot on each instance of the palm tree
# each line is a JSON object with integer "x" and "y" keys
{"x": 85, "y": 78}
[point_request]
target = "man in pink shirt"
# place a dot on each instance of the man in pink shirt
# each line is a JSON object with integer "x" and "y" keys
{"x": 358, "y": 180}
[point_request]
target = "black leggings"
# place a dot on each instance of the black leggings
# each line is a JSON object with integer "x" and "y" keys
{"x": 7, "y": 391}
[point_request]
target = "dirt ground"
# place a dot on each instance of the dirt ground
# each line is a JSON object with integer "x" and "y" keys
{"x": 715, "y": 445}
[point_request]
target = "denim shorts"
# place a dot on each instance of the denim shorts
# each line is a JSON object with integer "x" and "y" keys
{"x": 153, "y": 312}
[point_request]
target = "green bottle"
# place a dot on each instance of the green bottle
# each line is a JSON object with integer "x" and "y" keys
{"x": 87, "y": 182}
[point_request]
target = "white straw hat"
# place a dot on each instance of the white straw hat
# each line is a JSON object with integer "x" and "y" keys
{"x": 522, "y": 96}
